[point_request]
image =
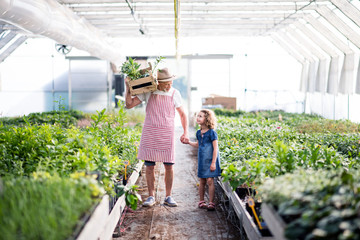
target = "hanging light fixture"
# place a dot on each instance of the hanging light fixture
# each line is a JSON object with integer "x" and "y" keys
{"x": 141, "y": 27}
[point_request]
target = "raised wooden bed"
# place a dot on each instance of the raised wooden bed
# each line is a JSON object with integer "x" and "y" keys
{"x": 239, "y": 206}
{"x": 101, "y": 223}
{"x": 274, "y": 221}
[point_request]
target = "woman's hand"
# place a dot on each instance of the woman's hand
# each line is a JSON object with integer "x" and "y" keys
{"x": 127, "y": 79}
{"x": 185, "y": 141}
{"x": 184, "y": 138}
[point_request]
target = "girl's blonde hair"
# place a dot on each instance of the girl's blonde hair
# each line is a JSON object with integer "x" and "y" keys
{"x": 210, "y": 119}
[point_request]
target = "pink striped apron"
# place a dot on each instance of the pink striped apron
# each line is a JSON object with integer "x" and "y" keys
{"x": 157, "y": 140}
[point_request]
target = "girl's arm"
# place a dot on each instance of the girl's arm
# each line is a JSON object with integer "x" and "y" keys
{"x": 193, "y": 144}
{"x": 215, "y": 152}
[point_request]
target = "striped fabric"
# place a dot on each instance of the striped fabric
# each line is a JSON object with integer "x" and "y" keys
{"x": 157, "y": 139}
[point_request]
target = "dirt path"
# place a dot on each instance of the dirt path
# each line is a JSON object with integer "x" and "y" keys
{"x": 186, "y": 221}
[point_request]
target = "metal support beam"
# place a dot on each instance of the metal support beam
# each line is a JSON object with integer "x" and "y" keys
{"x": 348, "y": 9}
{"x": 340, "y": 25}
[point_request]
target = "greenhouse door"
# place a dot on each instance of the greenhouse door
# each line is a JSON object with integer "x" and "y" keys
{"x": 89, "y": 84}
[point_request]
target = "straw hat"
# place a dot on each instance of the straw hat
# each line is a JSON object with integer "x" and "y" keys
{"x": 163, "y": 75}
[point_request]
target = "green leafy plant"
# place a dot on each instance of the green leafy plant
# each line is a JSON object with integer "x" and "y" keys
{"x": 256, "y": 146}
{"x": 133, "y": 71}
{"x": 132, "y": 197}
{"x": 60, "y": 102}
{"x": 156, "y": 63}
{"x": 81, "y": 164}
{"x": 63, "y": 118}
{"x": 321, "y": 204}
{"x": 44, "y": 206}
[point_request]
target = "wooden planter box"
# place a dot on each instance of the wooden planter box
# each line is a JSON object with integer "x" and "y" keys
{"x": 101, "y": 223}
{"x": 239, "y": 206}
{"x": 142, "y": 85}
{"x": 274, "y": 221}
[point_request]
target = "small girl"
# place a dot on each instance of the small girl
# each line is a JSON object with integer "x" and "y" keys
{"x": 208, "y": 156}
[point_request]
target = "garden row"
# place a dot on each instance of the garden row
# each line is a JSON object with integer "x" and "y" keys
{"x": 53, "y": 172}
{"x": 301, "y": 166}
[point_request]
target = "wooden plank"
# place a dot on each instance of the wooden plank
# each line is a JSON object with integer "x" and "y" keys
{"x": 226, "y": 187}
{"x": 95, "y": 224}
{"x": 112, "y": 219}
{"x": 135, "y": 174}
{"x": 101, "y": 224}
{"x": 119, "y": 207}
{"x": 273, "y": 221}
{"x": 239, "y": 206}
{"x": 251, "y": 229}
{"x": 137, "y": 88}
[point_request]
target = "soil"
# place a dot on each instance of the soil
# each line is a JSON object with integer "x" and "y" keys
{"x": 186, "y": 221}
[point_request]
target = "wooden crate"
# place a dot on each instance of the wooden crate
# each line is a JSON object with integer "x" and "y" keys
{"x": 142, "y": 85}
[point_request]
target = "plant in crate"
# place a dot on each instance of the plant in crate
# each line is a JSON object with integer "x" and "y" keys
{"x": 133, "y": 71}
{"x": 141, "y": 80}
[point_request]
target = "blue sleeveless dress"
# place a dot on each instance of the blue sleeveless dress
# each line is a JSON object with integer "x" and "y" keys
{"x": 205, "y": 154}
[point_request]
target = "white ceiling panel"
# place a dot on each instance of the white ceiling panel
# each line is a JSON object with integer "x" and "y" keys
{"x": 116, "y": 19}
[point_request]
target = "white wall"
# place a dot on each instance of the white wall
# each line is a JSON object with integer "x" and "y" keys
{"x": 34, "y": 78}
{"x": 27, "y": 75}
{"x": 30, "y": 75}
{"x": 340, "y": 106}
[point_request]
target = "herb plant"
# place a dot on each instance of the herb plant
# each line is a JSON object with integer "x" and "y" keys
{"x": 133, "y": 71}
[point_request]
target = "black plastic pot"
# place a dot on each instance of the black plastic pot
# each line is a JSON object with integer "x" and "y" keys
{"x": 244, "y": 192}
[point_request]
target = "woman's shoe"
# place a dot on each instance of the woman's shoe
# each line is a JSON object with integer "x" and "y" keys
{"x": 170, "y": 202}
{"x": 150, "y": 201}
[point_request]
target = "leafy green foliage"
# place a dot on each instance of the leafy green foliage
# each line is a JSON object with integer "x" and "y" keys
{"x": 321, "y": 204}
{"x": 48, "y": 170}
{"x": 132, "y": 197}
{"x": 63, "y": 118}
{"x": 132, "y": 68}
{"x": 43, "y": 207}
{"x": 262, "y": 145}
{"x": 101, "y": 147}
{"x": 228, "y": 113}
{"x": 300, "y": 164}
{"x": 157, "y": 61}
{"x": 328, "y": 126}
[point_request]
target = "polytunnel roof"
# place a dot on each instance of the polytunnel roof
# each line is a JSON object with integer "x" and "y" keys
{"x": 131, "y": 18}
{"x": 308, "y": 30}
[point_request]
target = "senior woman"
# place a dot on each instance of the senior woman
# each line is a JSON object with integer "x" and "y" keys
{"x": 157, "y": 140}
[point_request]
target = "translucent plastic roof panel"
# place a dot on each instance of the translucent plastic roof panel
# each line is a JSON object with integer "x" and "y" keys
{"x": 133, "y": 18}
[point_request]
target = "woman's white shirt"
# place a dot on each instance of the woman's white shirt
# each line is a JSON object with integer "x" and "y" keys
{"x": 177, "y": 96}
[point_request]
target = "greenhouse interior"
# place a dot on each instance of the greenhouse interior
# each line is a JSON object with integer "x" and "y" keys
{"x": 94, "y": 91}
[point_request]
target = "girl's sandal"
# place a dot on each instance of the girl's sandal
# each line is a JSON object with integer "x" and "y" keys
{"x": 211, "y": 206}
{"x": 202, "y": 204}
